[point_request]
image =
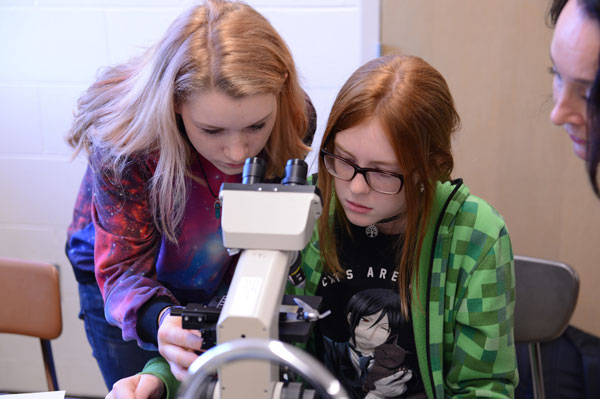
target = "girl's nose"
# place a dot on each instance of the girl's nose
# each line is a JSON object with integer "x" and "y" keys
{"x": 567, "y": 110}
{"x": 359, "y": 185}
{"x": 237, "y": 149}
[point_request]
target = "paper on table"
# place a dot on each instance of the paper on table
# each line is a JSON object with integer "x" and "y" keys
{"x": 36, "y": 395}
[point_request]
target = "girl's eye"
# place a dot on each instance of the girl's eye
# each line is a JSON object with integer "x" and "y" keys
{"x": 554, "y": 72}
{"x": 211, "y": 131}
{"x": 257, "y": 126}
{"x": 585, "y": 95}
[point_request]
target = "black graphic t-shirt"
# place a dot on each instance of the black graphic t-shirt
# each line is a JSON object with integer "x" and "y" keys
{"x": 365, "y": 341}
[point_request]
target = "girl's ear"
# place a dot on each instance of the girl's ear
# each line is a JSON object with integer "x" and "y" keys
{"x": 349, "y": 316}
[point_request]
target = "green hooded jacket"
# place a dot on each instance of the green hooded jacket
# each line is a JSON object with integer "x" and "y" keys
{"x": 463, "y": 298}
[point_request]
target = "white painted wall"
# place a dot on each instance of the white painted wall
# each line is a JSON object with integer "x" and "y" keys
{"x": 49, "y": 53}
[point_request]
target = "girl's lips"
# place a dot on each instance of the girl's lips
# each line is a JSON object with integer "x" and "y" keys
{"x": 577, "y": 140}
{"x": 234, "y": 165}
{"x": 358, "y": 208}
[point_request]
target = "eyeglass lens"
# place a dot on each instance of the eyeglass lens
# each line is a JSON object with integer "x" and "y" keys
{"x": 378, "y": 181}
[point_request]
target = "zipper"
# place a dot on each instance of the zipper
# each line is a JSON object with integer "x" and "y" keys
{"x": 458, "y": 183}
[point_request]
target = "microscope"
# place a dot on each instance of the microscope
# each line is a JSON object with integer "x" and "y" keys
{"x": 268, "y": 225}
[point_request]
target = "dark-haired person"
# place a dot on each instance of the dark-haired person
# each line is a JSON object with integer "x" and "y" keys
{"x": 575, "y": 54}
{"x": 575, "y": 51}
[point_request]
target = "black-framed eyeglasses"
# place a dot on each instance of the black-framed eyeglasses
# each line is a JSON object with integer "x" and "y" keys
{"x": 379, "y": 180}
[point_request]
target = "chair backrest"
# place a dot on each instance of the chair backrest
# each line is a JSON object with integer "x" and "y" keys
{"x": 546, "y": 295}
{"x": 29, "y": 298}
{"x": 30, "y": 305}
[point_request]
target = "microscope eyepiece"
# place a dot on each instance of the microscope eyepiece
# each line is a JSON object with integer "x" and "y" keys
{"x": 295, "y": 172}
{"x": 254, "y": 170}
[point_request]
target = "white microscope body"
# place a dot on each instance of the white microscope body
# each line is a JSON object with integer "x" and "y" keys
{"x": 269, "y": 223}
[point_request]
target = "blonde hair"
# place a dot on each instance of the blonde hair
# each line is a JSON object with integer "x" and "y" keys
{"x": 412, "y": 103}
{"x": 130, "y": 110}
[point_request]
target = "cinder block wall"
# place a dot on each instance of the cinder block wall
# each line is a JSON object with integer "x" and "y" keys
{"x": 50, "y": 51}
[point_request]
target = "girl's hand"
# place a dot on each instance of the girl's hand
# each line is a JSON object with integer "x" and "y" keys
{"x": 139, "y": 386}
{"x": 177, "y": 345}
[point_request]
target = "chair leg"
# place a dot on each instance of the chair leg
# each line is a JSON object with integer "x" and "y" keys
{"x": 537, "y": 376}
{"x": 49, "y": 365}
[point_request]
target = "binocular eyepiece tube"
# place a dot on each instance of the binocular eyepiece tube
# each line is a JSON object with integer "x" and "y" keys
{"x": 254, "y": 171}
{"x": 295, "y": 172}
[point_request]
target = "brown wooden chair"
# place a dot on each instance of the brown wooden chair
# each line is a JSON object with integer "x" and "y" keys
{"x": 30, "y": 305}
{"x": 546, "y": 295}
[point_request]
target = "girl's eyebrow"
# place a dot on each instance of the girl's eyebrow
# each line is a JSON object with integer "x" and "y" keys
{"x": 209, "y": 126}
{"x": 384, "y": 164}
{"x": 339, "y": 147}
{"x": 264, "y": 119}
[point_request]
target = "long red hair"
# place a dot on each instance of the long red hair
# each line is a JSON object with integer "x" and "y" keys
{"x": 413, "y": 105}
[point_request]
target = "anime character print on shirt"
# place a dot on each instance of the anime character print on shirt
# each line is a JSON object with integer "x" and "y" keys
{"x": 374, "y": 363}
